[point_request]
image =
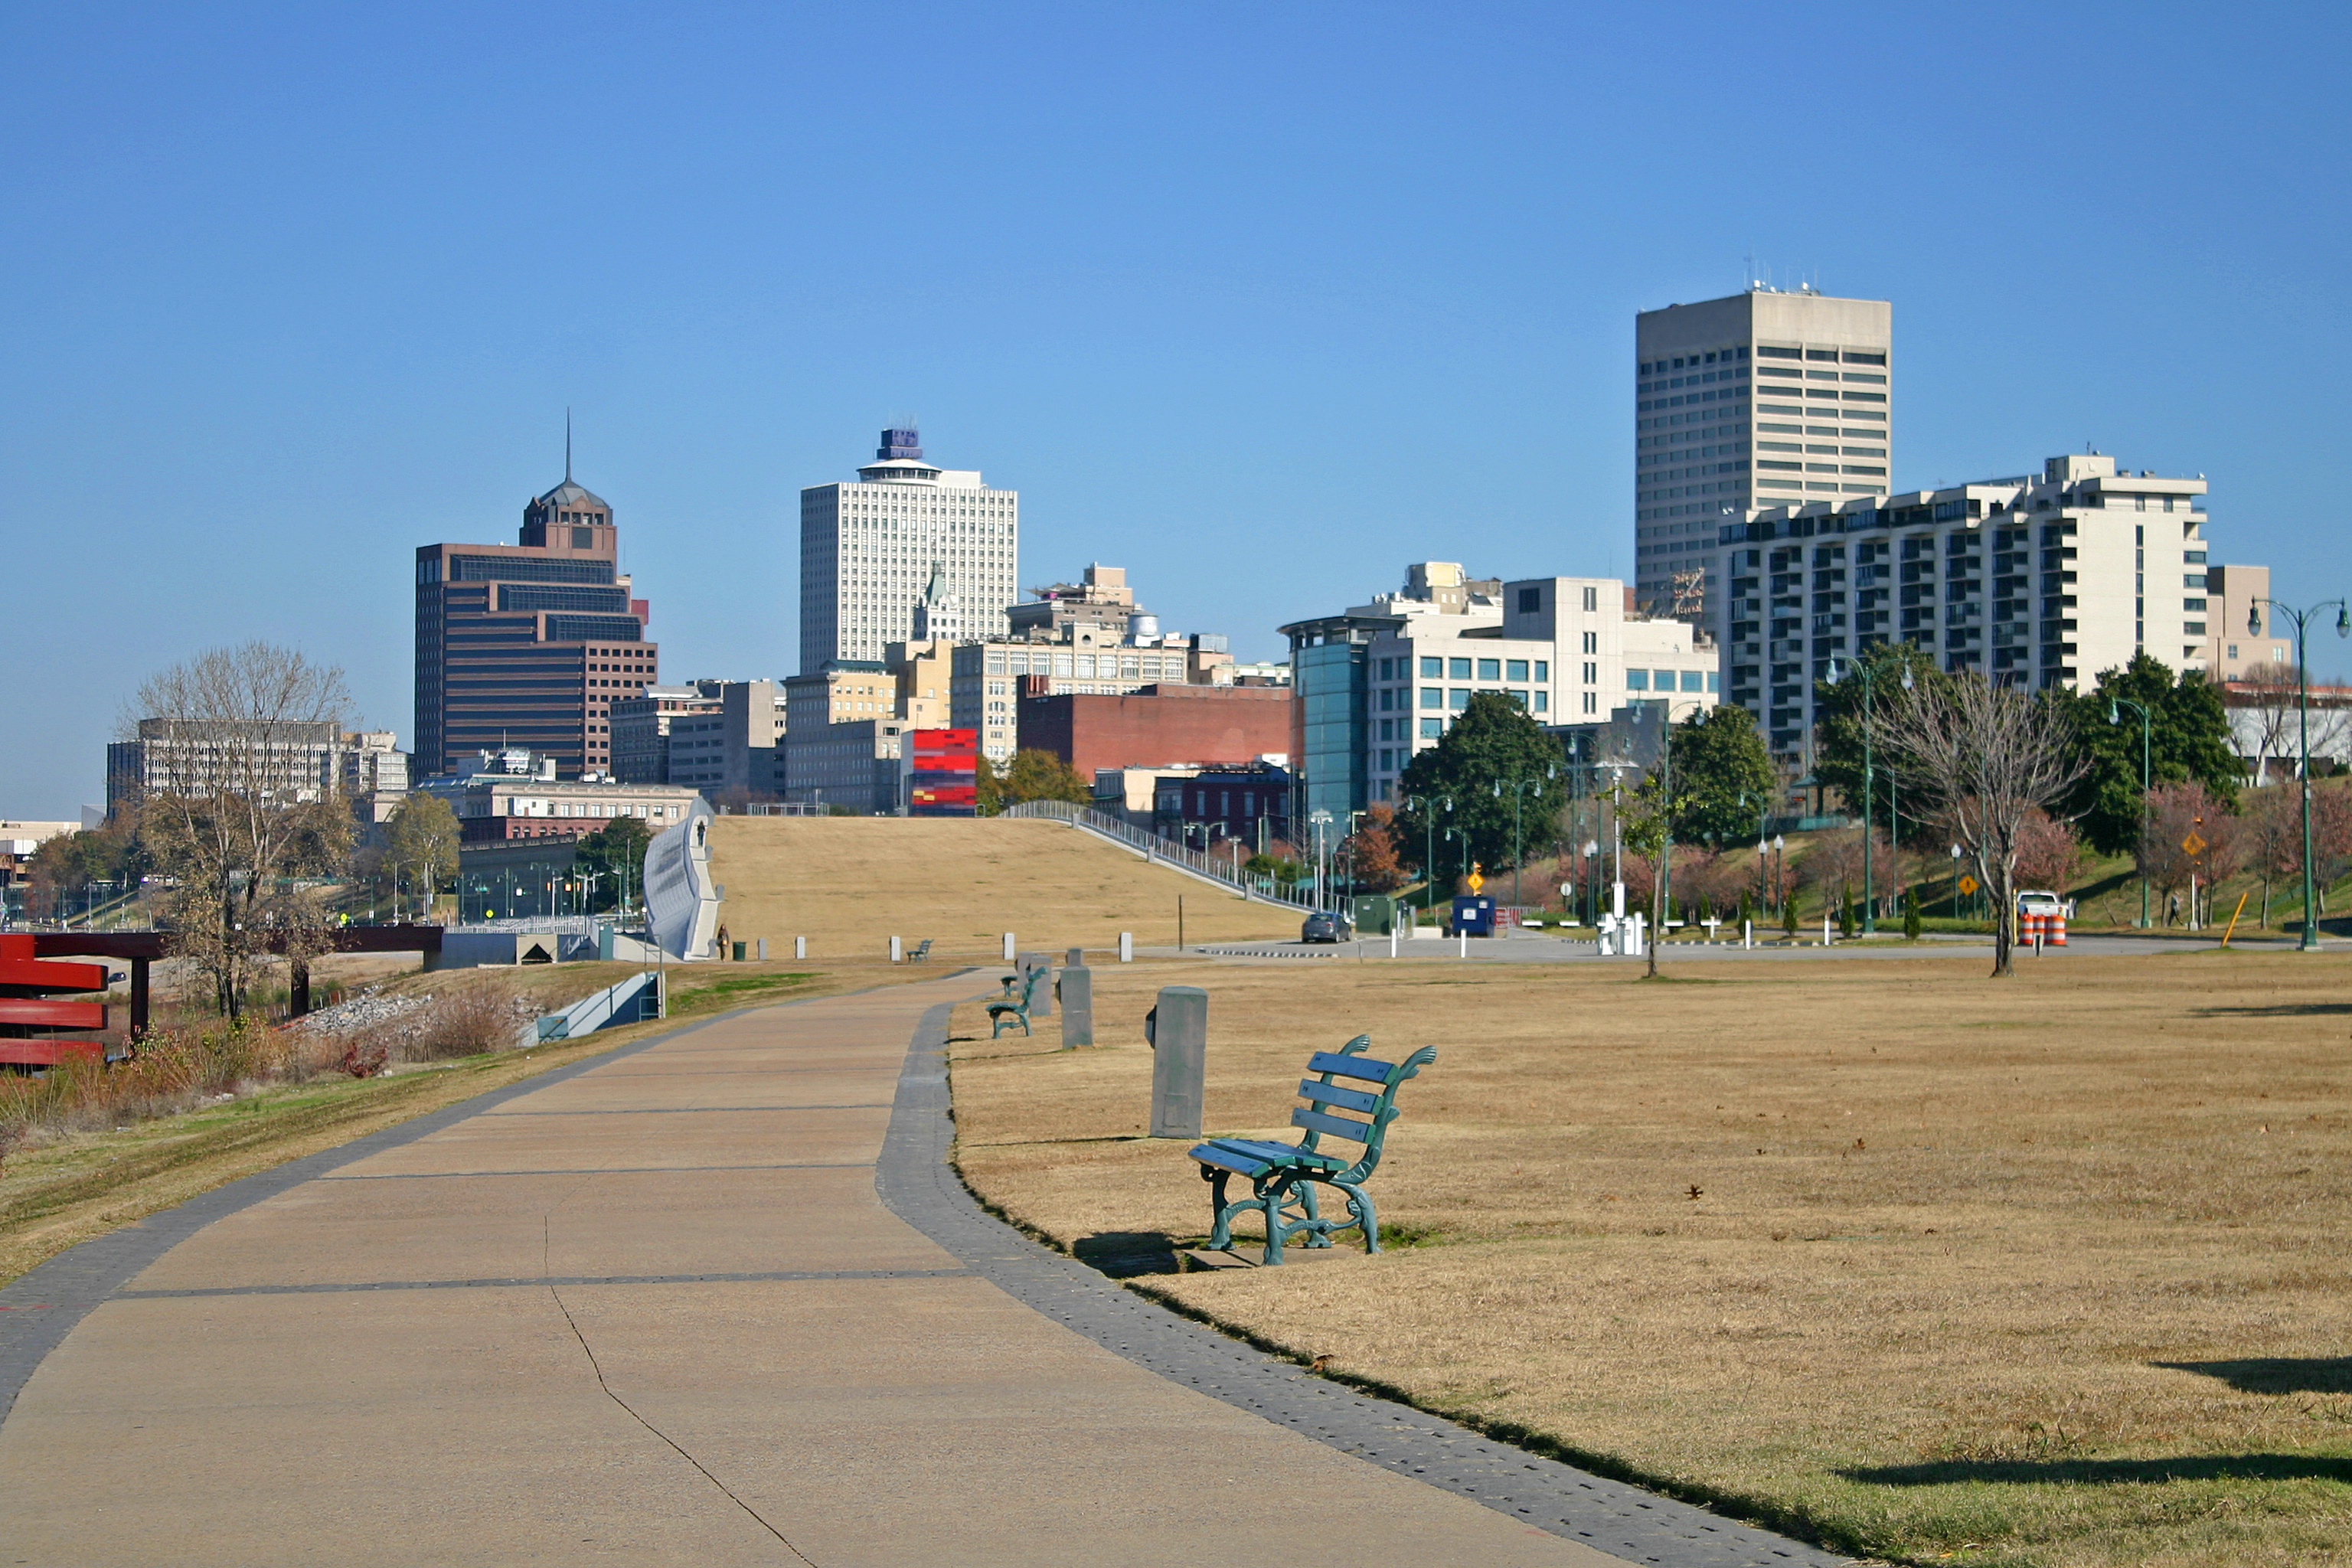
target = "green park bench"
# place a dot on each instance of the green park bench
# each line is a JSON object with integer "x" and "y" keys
{"x": 922, "y": 954}
{"x": 1283, "y": 1176}
{"x": 1012, "y": 1006}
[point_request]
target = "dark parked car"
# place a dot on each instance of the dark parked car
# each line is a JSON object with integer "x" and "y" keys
{"x": 1327, "y": 925}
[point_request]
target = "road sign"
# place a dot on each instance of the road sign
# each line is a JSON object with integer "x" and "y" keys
{"x": 1477, "y": 881}
{"x": 2194, "y": 843}
{"x": 1967, "y": 885}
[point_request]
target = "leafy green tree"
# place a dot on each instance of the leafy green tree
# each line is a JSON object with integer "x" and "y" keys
{"x": 420, "y": 842}
{"x": 1838, "y": 723}
{"x": 1645, "y": 813}
{"x": 1721, "y": 770}
{"x": 1788, "y": 914}
{"x": 2189, "y": 741}
{"x": 1035, "y": 774}
{"x": 1493, "y": 741}
{"x": 616, "y": 856}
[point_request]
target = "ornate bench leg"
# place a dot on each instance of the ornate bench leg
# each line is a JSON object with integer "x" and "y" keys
{"x": 1362, "y": 1214}
{"x": 1220, "y": 1234}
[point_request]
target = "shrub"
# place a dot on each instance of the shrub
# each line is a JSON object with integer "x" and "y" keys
{"x": 1911, "y": 922}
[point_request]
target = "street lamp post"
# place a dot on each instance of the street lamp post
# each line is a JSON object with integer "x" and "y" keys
{"x": 1422, "y": 804}
{"x": 1869, "y": 674}
{"x": 2116, "y": 717}
{"x": 1518, "y": 802}
{"x": 2310, "y": 943}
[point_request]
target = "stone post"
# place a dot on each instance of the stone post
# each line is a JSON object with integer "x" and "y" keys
{"x": 1177, "y": 1029}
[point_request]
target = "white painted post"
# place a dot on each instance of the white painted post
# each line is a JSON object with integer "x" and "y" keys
{"x": 898, "y": 950}
{"x": 1463, "y": 937}
{"x": 1008, "y": 947}
{"x": 1392, "y": 939}
{"x": 1748, "y": 934}
{"x": 1826, "y": 938}
{"x": 1127, "y": 947}
{"x": 800, "y": 947}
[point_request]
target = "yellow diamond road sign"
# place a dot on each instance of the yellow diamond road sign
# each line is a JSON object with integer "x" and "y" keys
{"x": 2194, "y": 843}
{"x": 1967, "y": 885}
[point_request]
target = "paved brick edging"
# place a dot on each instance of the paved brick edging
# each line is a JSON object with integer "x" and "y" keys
{"x": 916, "y": 1184}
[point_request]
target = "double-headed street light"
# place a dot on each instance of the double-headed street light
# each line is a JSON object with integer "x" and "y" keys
{"x": 2310, "y": 943}
{"x": 1870, "y": 674}
{"x": 1429, "y": 838}
{"x": 2116, "y": 717}
{"x": 1519, "y": 800}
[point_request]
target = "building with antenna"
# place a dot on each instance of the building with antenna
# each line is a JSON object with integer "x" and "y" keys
{"x": 1768, "y": 398}
{"x": 873, "y": 551}
{"x": 528, "y": 646}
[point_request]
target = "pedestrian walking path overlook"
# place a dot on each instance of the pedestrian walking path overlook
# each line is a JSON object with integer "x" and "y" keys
{"x": 713, "y": 1299}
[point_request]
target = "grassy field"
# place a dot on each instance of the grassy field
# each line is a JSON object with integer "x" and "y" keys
{"x": 849, "y": 884}
{"x": 75, "y": 1186}
{"x": 2047, "y": 1271}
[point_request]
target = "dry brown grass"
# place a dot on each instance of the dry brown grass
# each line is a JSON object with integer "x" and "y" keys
{"x": 2046, "y": 1271}
{"x": 849, "y": 884}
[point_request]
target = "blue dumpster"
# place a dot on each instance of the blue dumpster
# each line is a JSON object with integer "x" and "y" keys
{"x": 1474, "y": 915}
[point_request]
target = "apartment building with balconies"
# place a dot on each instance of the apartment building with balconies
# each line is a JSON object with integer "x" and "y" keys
{"x": 2033, "y": 580}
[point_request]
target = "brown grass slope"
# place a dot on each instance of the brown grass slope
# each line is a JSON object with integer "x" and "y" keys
{"x": 849, "y": 884}
{"x": 2051, "y": 1271}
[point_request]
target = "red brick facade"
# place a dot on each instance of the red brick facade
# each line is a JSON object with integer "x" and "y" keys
{"x": 1160, "y": 726}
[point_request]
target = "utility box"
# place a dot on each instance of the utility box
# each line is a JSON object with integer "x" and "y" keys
{"x": 1177, "y": 1029}
{"x": 1474, "y": 915}
{"x": 1375, "y": 914}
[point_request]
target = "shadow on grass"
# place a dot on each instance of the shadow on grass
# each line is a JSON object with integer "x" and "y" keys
{"x": 2276, "y": 1375}
{"x": 2282, "y": 1010}
{"x": 2109, "y": 1472}
{"x": 1124, "y": 1254}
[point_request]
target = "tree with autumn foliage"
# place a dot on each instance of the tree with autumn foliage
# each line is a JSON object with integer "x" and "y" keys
{"x": 1373, "y": 861}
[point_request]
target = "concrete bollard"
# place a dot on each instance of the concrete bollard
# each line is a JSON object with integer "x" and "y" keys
{"x": 764, "y": 950}
{"x": 1074, "y": 959}
{"x": 1177, "y": 1029}
{"x": 898, "y": 950}
{"x": 1008, "y": 947}
{"x": 1076, "y": 989}
{"x": 1127, "y": 947}
{"x": 800, "y": 947}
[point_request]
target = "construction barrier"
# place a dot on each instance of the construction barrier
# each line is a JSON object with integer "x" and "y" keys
{"x": 2050, "y": 928}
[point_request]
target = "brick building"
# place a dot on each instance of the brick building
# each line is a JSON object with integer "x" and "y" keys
{"x": 1159, "y": 725}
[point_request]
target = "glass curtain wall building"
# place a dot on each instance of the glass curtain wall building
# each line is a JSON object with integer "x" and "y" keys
{"x": 1330, "y": 670}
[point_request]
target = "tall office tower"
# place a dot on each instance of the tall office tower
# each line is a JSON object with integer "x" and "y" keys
{"x": 527, "y": 645}
{"x": 869, "y": 551}
{"x": 1763, "y": 399}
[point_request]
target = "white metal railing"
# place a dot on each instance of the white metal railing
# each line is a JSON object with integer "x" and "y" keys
{"x": 638, "y": 997}
{"x": 1263, "y": 890}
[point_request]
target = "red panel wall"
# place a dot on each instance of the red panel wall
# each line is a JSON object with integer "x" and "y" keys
{"x": 1160, "y": 726}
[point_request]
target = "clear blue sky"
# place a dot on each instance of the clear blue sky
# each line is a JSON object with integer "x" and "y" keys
{"x": 1259, "y": 302}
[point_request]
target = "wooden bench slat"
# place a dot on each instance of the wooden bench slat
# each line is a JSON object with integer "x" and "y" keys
{"x": 1350, "y": 1067}
{"x": 1332, "y": 1094}
{"x": 1338, "y": 1126}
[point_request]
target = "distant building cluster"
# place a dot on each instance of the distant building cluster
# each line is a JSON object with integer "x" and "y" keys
{"x": 1768, "y": 541}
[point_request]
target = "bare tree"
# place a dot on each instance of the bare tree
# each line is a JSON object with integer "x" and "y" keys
{"x": 240, "y": 799}
{"x": 1988, "y": 756}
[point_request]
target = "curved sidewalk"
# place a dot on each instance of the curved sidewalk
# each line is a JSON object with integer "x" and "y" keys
{"x": 653, "y": 1308}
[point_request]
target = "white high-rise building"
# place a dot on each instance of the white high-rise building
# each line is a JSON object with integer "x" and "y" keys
{"x": 1763, "y": 399}
{"x": 869, "y": 551}
{"x": 2035, "y": 581}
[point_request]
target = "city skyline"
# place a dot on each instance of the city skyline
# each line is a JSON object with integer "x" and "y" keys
{"x": 1288, "y": 315}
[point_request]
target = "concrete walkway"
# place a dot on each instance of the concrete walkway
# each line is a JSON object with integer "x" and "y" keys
{"x": 652, "y": 1309}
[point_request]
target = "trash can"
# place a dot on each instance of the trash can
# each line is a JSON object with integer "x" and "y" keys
{"x": 1474, "y": 915}
{"x": 738, "y": 952}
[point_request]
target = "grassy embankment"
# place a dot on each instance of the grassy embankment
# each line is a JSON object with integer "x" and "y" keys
{"x": 2047, "y": 1271}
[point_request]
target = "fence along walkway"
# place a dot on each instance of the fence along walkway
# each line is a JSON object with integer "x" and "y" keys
{"x": 1153, "y": 847}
